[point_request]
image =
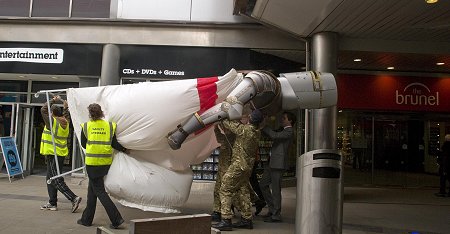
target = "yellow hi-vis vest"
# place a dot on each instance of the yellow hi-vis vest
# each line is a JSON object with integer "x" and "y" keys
{"x": 60, "y": 134}
{"x": 99, "y": 134}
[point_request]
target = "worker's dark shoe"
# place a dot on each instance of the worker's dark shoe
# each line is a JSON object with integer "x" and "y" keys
{"x": 272, "y": 220}
{"x": 117, "y": 225}
{"x": 81, "y": 223}
{"x": 244, "y": 223}
{"x": 224, "y": 225}
{"x": 216, "y": 216}
{"x": 75, "y": 203}
{"x": 259, "y": 205}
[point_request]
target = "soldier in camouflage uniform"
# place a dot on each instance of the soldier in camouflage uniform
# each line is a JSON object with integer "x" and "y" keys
{"x": 226, "y": 140}
{"x": 236, "y": 179}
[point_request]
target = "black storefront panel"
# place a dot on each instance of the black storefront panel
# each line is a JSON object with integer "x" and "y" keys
{"x": 176, "y": 62}
{"x": 73, "y": 59}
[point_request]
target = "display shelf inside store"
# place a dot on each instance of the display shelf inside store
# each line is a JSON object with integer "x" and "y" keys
{"x": 208, "y": 169}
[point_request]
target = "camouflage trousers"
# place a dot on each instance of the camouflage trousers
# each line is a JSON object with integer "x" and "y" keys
{"x": 216, "y": 204}
{"x": 235, "y": 189}
{"x": 235, "y": 200}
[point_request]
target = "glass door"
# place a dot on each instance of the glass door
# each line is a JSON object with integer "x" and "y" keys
{"x": 390, "y": 149}
{"x": 390, "y": 157}
{"x": 22, "y": 132}
{"x": 6, "y": 122}
{"x": 355, "y": 143}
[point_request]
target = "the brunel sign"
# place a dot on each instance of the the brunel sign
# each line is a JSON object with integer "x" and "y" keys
{"x": 416, "y": 94}
{"x": 394, "y": 93}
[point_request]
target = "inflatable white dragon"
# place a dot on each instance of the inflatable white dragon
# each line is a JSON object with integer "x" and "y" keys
{"x": 156, "y": 175}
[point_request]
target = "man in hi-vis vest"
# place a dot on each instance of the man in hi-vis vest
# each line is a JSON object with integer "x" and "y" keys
{"x": 98, "y": 137}
{"x": 60, "y": 128}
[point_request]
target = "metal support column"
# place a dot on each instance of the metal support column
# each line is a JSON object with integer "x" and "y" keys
{"x": 319, "y": 170}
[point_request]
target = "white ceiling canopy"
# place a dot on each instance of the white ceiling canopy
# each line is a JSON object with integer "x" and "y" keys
{"x": 394, "y": 30}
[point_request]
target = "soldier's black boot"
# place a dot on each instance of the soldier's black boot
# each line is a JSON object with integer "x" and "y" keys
{"x": 244, "y": 223}
{"x": 216, "y": 216}
{"x": 259, "y": 206}
{"x": 224, "y": 225}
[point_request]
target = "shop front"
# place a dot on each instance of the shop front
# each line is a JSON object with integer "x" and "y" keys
{"x": 26, "y": 68}
{"x": 390, "y": 128}
{"x": 80, "y": 65}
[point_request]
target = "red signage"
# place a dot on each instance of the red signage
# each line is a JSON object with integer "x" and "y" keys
{"x": 393, "y": 93}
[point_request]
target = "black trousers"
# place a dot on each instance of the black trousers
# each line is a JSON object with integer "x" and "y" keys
{"x": 255, "y": 183}
{"x": 57, "y": 184}
{"x": 443, "y": 178}
{"x": 96, "y": 189}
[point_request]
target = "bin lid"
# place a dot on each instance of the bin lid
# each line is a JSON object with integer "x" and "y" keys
{"x": 320, "y": 156}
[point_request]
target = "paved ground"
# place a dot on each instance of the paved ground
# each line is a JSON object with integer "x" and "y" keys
{"x": 366, "y": 210}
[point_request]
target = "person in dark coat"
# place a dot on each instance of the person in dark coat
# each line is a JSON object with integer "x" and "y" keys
{"x": 270, "y": 182}
{"x": 444, "y": 167}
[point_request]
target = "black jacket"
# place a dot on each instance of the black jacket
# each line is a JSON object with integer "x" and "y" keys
{"x": 444, "y": 160}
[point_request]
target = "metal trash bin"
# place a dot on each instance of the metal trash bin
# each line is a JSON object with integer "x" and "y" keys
{"x": 319, "y": 192}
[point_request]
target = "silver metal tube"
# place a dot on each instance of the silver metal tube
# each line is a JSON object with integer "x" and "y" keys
{"x": 49, "y": 181}
{"x": 50, "y": 91}
{"x": 323, "y": 215}
{"x": 308, "y": 68}
{"x": 51, "y": 131}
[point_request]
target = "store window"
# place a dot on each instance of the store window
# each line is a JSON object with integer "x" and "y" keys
{"x": 132, "y": 80}
{"x": 50, "y": 8}
{"x": 13, "y": 91}
{"x": 17, "y": 8}
{"x": 10, "y": 92}
{"x": 91, "y": 8}
{"x": 44, "y": 85}
{"x": 125, "y": 81}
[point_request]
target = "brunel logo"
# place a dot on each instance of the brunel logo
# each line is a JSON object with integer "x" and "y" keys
{"x": 417, "y": 94}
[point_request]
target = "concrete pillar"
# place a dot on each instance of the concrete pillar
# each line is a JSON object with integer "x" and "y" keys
{"x": 110, "y": 65}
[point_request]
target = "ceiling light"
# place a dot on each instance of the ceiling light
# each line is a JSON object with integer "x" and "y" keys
{"x": 357, "y": 60}
{"x": 431, "y": 1}
{"x": 55, "y": 77}
{"x": 439, "y": 64}
{"x": 22, "y": 76}
{"x": 390, "y": 68}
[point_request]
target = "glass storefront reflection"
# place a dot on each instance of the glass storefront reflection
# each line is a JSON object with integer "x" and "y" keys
{"x": 389, "y": 149}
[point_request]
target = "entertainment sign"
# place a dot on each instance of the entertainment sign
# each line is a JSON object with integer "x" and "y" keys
{"x": 396, "y": 93}
{"x": 31, "y": 55}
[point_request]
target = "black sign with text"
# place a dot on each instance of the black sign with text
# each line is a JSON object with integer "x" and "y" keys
{"x": 73, "y": 59}
{"x": 176, "y": 62}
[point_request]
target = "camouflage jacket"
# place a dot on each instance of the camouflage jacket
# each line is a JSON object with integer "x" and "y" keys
{"x": 245, "y": 147}
{"x": 226, "y": 141}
